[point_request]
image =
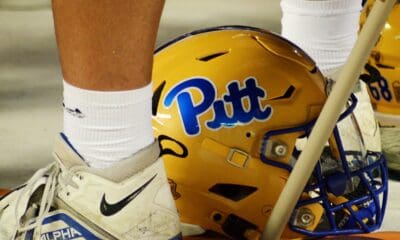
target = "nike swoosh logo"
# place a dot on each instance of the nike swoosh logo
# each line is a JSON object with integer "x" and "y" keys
{"x": 108, "y": 209}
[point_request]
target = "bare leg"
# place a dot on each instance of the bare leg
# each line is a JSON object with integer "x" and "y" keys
{"x": 107, "y": 44}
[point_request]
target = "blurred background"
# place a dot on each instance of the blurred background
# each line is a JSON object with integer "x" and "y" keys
{"x": 31, "y": 86}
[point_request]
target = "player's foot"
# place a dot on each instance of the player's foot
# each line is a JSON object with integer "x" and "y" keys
{"x": 391, "y": 150}
{"x": 393, "y": 163}
{"x": 68, "y": 200}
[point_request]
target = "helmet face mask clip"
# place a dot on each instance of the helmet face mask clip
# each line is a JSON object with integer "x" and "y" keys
{"x": 233, "y": 108}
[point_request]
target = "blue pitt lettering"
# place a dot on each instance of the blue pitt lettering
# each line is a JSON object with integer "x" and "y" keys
{"x": 235, "y": 97}
{"x": 188, "y": 109}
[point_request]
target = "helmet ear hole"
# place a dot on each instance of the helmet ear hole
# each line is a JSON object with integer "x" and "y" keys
{"x": 233, "y": 192}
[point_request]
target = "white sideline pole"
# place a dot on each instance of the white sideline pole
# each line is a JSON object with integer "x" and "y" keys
{"x": 326, "y": 121}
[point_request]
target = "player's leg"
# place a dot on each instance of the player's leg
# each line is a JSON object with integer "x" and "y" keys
{"x": 386, "y": 99}
{"x": 327, "y": 31}
{"x": 106, "y": 50}
{"x": 108, "y": 181}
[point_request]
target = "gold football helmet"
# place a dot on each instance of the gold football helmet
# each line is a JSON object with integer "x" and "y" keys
{"x": 383, "y": 71}
{"x": 232, "y": 108}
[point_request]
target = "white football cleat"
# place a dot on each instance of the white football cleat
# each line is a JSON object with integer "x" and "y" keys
{"x": 69, "y": 200}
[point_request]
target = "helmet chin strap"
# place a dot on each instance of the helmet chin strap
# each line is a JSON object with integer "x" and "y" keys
{"x": 330, "y": 113}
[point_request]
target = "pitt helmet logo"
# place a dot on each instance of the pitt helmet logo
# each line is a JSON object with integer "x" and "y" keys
{"x": 236, "y": 96}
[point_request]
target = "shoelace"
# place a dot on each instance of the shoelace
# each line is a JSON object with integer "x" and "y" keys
{"x": 51, "y": 176}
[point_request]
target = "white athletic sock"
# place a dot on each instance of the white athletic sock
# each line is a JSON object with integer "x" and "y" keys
{"x": 325, "y": 29}
{"x": 106, "y": 127}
